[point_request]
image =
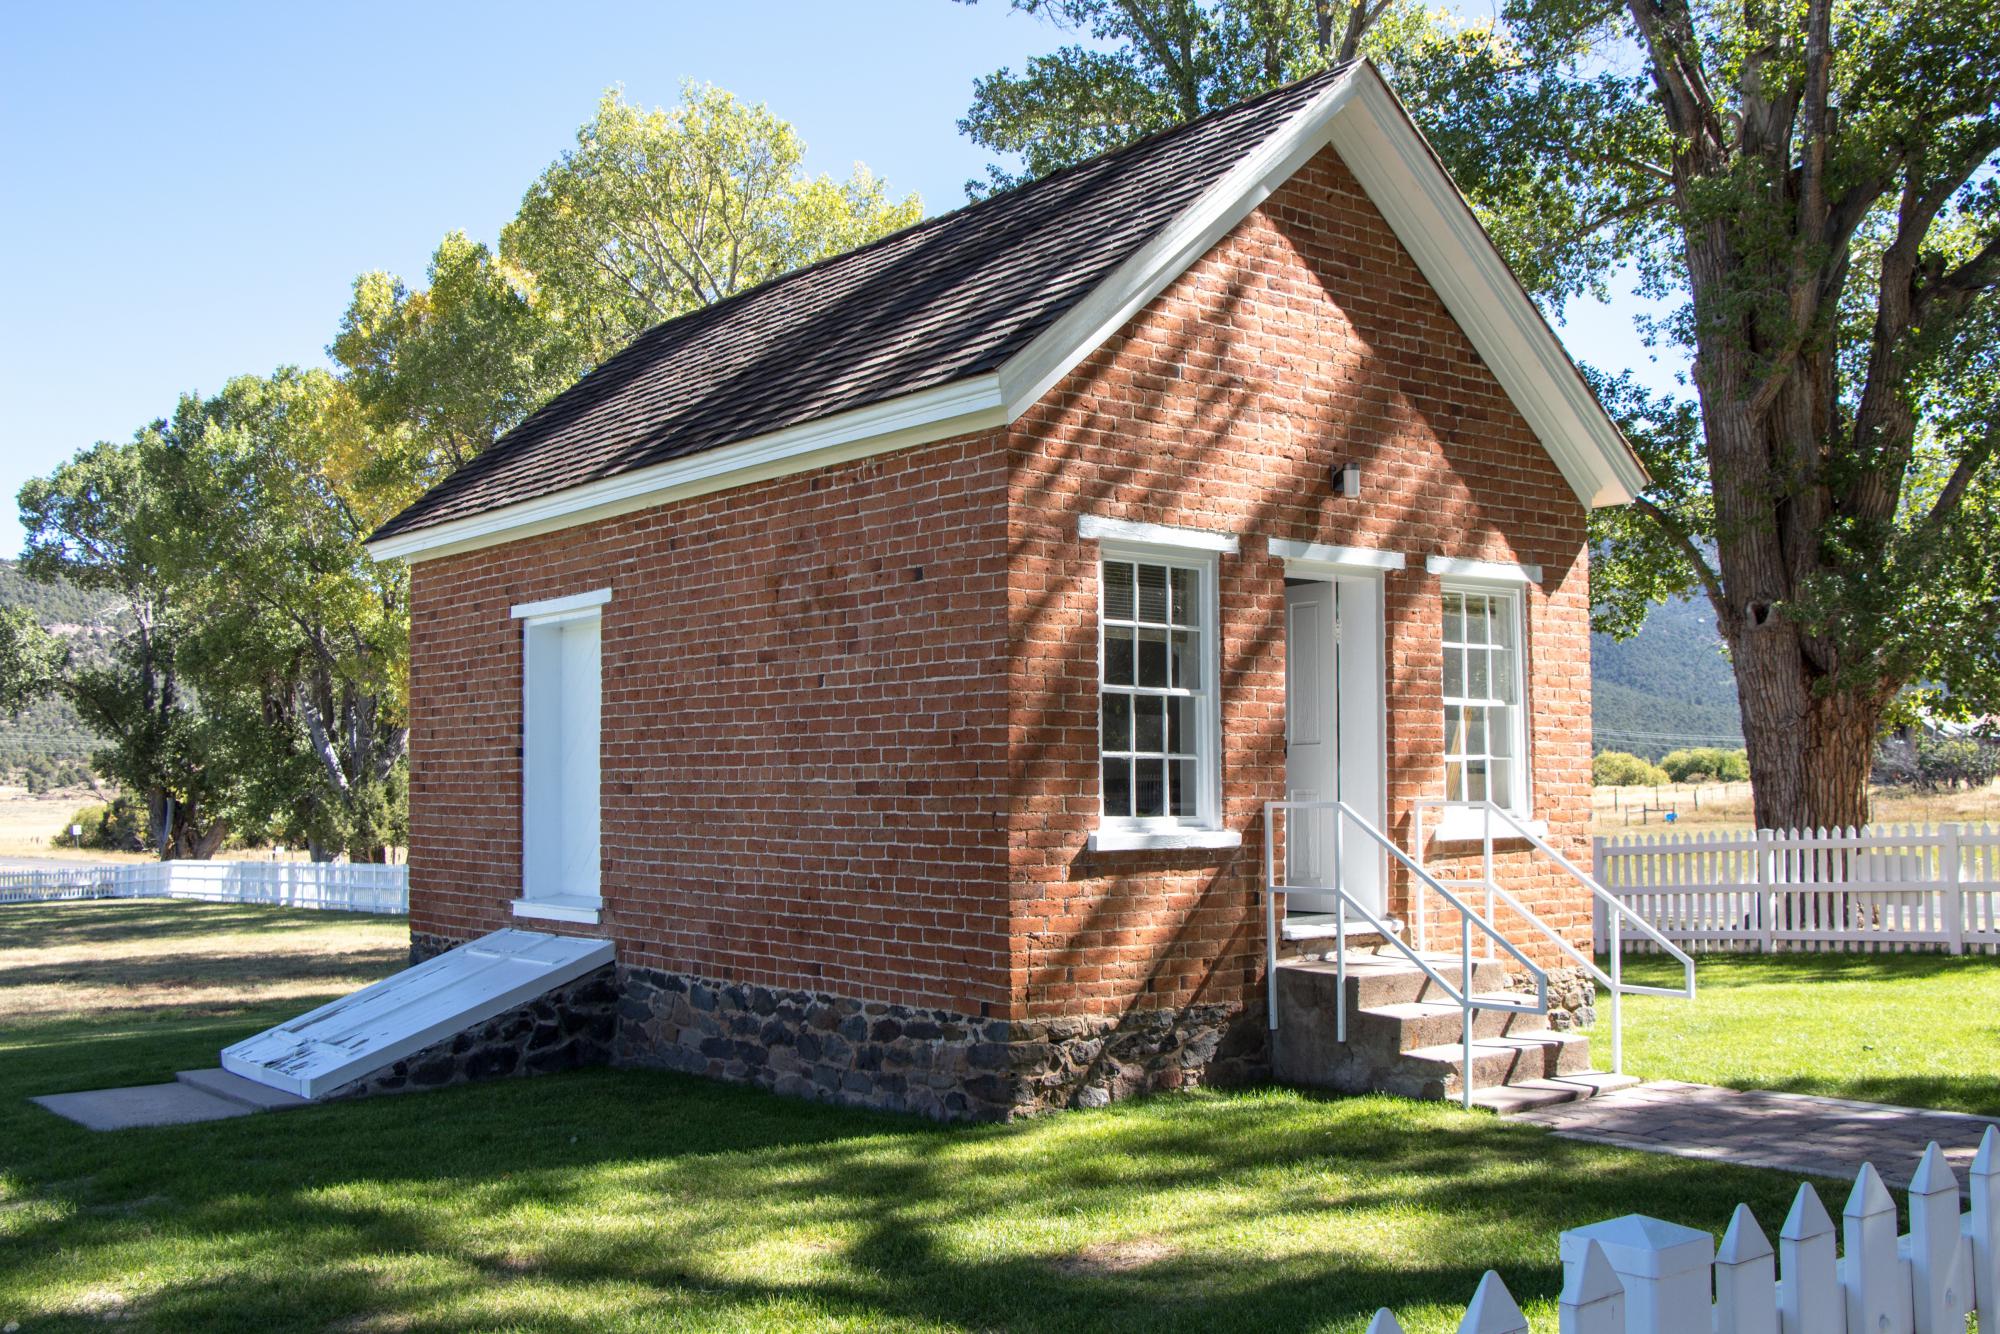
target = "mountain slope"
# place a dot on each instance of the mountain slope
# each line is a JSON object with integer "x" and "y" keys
{"x": 48, "y": 745}
{"x": 1668, "y": 686}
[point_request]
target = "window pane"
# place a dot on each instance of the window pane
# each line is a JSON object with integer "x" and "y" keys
{"x": 1502, "y": 780}
{"x": 1454, "y": 730}
{"x": 1117, "y": 655}
{"x": 1187, "y": 596}
{"x": 1476, "y": 684}
{"x": 1185, "y": 647}
{"x": 1185, "y": 796}
{"x": 1454, "y": 673}
{"x": 1475, "y": 620}
{"x": 1117, "y": 721}
{"x": 1149, "y": 787}
{"x": 1149, "y": 717}
{"x": 1503, "y": 675}
{"x": 1454, "y": 618}
{"x": 1118, "y": 787}
{"x": 1475, "y": 731}
{"x": 1454, "y": 780}
{"x": 1152, "y": 657}
{"x": 1117, "y": 591}
{"x": 1153, "y": 593}
{"x": 1500, "y": 734}
{"x": 1181, "y": 725}
{"x": 1475, "y": 780}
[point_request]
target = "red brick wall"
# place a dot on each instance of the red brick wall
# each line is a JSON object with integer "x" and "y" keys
{"x": 820, "y": 771}
{"x": 1305, "y": 338}
{"x": 803, "y": 732}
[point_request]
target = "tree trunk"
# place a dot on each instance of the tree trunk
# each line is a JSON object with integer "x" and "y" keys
{"x": 1810, "y": 752}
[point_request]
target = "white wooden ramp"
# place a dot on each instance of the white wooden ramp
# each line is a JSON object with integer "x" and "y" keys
{"x": 355, "y": 1036}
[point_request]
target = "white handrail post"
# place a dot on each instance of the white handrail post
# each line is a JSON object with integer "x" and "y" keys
{"x": 1417, "y": 881}
{"x": 1486, "y": 826}
{"x": 1465, "y": 1000}
{"x": 1617, "y": 992}
{"x": 1340, "y": 922}
{"x": 1270, "y": 920}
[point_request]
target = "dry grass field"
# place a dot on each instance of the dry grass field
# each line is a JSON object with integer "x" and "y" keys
{"x": 1717, "y": 807}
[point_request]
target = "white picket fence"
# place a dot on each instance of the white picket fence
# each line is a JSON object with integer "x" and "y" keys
{"x": 1639, "y": 1275}
{"x": 334, "y": 886}
{"x": 1885, "y": 887}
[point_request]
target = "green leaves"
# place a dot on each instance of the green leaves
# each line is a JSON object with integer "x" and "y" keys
{"x": 656, "y": 213}
{"x": 30, "y": 658}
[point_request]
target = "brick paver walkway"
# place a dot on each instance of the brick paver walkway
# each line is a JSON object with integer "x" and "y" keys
{"x": 1790, "y": 1132}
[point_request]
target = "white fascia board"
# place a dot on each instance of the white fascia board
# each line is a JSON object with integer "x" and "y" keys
{"x": 914, "y": 419}
{"x": 562, "y": 606}
{"x": 1036, "y": 368}
{"x": 1404, "y": 179}
{"x": 1493, "y": 571}
{"x": 1319, "y": 555}
{"x": 1091, "y": 527}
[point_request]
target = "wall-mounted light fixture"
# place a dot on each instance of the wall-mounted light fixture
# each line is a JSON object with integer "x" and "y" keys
{"x": 1347, "y": 479}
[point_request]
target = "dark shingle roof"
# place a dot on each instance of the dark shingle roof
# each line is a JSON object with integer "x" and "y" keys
{"x": 944, "y": 300}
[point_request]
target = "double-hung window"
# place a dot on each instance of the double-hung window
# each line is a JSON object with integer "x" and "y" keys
{"x": 1485, "y": 743}
{"x": 1155, "y": 695}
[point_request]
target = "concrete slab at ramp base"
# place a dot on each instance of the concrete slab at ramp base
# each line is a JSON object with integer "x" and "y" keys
{"x": 351, "y": 1038}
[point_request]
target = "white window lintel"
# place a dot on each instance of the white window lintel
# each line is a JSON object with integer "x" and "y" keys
{"x": 1096, "y": 527}
{"x": 571, "y": 605}
{"x": 1493, "y": 571}
{"x": 1318, "y": 553}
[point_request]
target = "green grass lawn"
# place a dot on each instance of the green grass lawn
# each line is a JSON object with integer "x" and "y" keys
{"x": 615, "y": 1200}
{"x": 1921, "y": 1030}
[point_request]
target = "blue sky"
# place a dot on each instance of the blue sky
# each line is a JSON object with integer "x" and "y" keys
{"x": 191, "y": 189}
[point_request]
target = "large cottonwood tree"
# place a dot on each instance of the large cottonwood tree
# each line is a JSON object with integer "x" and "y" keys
{"x": 1813, "y": 188}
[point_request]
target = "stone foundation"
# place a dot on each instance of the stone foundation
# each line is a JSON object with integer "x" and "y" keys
{"x": 934, "y": 1063}
{"x": 566, "y": 1028}
{"x": 424, "y": 947}
{"x": 1572, "y": 997}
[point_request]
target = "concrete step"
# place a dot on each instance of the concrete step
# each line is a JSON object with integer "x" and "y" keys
{"x": 244, "y": 1092}
{"x": 1434, "y": 1072}
{"x": 1530, "y": 1094}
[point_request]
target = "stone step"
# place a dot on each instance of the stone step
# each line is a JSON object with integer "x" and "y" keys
{"x": 1379, "y": 979}
{"x": 1529, "y": 1094}
{"x": 1395, "y": 1029}
{"x": 1434, "y": 1072}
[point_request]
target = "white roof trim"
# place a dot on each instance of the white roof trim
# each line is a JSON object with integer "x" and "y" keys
{"x": 1091, "y": 527}
{"x": 1348, "y": 558}
{"x": 1492, "y": 570}
{"x": 563, "y": 606}
{"x": 1356, "y": 114}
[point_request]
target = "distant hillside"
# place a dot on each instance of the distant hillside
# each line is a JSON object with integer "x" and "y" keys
{"x": 1668, "y": 686}
{"x": 49, "y": 745}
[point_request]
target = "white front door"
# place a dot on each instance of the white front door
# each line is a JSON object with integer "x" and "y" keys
{"x": 560, "y": 761}
{"x": 1312, "y": 736}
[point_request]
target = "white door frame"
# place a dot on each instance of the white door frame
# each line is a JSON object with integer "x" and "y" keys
{"x": 561, "y": 756}
{"x": 1362, "y": 701}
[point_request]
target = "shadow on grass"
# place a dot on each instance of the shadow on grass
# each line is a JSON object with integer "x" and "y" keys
{"x": 46, "y": 926}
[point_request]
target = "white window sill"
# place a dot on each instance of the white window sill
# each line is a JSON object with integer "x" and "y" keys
{"x": 1147, "y": 840}
{"x": 561, "y": 908}
{"x": 1459, "y": 825}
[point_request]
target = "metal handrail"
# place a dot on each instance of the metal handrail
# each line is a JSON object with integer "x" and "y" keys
{"x": 1467, "y": 1000}
{"x": 1614, "y": 980}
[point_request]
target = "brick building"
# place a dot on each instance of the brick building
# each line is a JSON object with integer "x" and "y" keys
{"x": 895, "y": 662}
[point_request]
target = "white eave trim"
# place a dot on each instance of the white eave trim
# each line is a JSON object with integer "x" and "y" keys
{"x": 1091, "y": 527}
{"x": 1492, "y": 571}
{"x": 1320, "y": 556}
{"x": 1361, "y": 118}
{"x": 574, "y": 604}
{"x": 914, "y": 419}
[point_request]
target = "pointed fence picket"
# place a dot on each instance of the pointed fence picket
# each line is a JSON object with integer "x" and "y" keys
{"x": 1638, "y": 1275}
{"x": 1883, "y": 887}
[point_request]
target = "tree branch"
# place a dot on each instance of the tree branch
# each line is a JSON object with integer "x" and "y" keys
{"x": 1677, "y": 532}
